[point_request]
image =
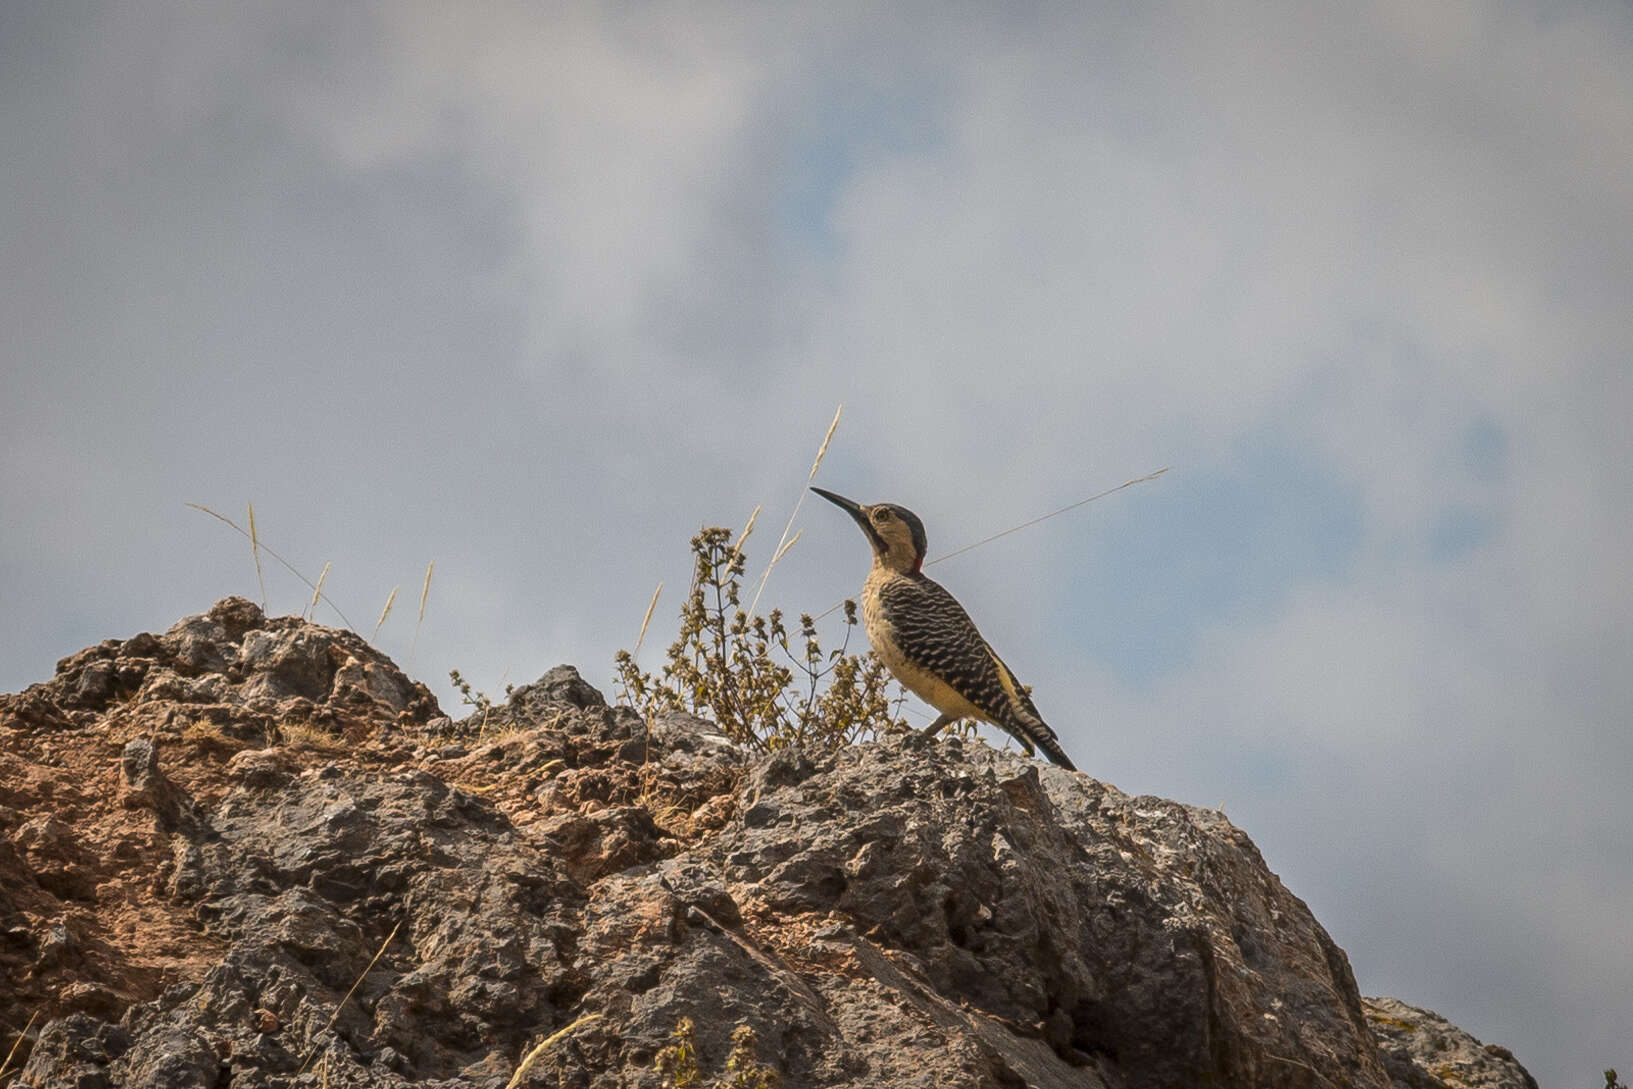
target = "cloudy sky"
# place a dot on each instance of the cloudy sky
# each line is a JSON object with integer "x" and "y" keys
{"x": 534, "y": 291}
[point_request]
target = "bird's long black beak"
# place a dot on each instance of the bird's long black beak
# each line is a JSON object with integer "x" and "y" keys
{"x": 849, "y": 506}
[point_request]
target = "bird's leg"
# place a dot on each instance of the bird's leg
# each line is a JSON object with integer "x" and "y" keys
{"x": 936, "y": 726}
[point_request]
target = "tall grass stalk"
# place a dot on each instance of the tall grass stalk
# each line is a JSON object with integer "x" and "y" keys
{"x": 255, "y": 550}
{"x": 776, "y": 554}
{"x": 378, "y": 953}
{"x": 749, "y": 528}
{"x": 316, "y": 588}
{"x": 783, "y": 551}
{"x": 385, "y": 612}
{"x": 317, "y": 592}
{"x": 425, "y": 592}
{"x": 647, "y": 619}
{"x": 21, "y": 1036}
{"x": 545, "y": 1045}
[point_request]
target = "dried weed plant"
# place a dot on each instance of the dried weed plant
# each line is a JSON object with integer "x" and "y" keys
{"x": 764, "y": 686}
{"x": 295, "y": 734}
{"x": 680, "y": 1065}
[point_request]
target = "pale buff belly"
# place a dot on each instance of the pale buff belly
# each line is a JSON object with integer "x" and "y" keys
{"x": 926, "y": 686}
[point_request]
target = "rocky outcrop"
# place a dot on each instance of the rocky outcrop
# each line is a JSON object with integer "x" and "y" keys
{"x": 1422, "y": 1050}
{"x": 196, "y": 894}
{"x": 232, "y": 668}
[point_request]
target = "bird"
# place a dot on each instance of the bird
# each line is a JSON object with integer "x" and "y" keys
{"x": 927, "y": 640}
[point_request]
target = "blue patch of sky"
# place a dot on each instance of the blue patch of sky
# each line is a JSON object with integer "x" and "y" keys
{"x": 1485, "y": 451}
{"x": 1208, "y": 546}
{"x": 826, "y": 143}
{"x": 1457, "y": 532}
{"x": 1258, "y": 770}
{"x": 1480, "y": 458}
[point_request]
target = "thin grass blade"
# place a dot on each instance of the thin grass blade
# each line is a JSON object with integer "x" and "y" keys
{"x": 255, "y": 550}
{"x": 425, "y": 592}
{"x": 385, "y": 612}
{"x": 545, "y": 1045}
{"x": 359, "y": 981}
{"x": 822, "y": 452}
{"x": 242, "y": 532}
{"x": 1051, "y": 514}
{"x": 647, "y": 619}
{"x": 21, "y": 1036}
{"x": 317, "y": 592}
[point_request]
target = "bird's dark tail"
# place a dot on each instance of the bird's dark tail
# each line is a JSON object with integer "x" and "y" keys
{"x": 1051, "y": 748}
{"x": 1036, "y": 732}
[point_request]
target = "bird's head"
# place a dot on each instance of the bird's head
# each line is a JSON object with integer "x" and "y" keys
{"x": 896, "y": 534}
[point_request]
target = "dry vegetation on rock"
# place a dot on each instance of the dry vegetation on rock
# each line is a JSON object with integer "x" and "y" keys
{"x": 741, "y": 672}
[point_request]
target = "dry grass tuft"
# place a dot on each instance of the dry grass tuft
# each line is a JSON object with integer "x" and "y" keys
{"x": 21, "y": 1036}
{"x": 305, "y": 735}
{"x": 209, "y": 737}
{"x": 545, "y": 1045}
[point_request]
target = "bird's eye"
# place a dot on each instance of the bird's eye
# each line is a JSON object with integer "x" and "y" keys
{"x": 881, "y": 516}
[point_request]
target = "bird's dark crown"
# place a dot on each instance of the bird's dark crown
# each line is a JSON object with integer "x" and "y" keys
{"x": 915, "y": 526}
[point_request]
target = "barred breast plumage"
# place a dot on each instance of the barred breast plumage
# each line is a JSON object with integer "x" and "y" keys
{"x": 928, "y": 641}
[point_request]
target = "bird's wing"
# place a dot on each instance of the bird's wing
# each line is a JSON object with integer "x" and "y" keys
{"x": 937, "y": 635}
{"x": 1018, "y": 692}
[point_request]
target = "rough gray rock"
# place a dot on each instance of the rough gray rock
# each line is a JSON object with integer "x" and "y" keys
{"x": 147, "y": 787}
{"x": 896, "y": 914}
{"x": 305, "y": 880}
{"x": 424, "y": 908}
{"x": 233, "y": 668}
{"x": 1422, "y": 1050}
{"x": 75, "y": 1051}
{"x": 546, "y": 701}
{"x": 1133, "y": 936}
